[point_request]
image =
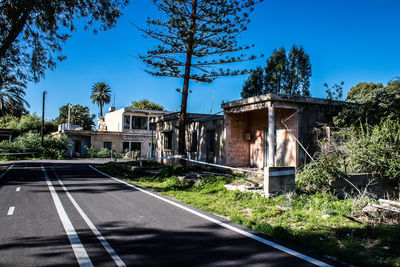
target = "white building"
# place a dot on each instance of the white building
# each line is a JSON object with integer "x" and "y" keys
{"x": 119, "y": 130}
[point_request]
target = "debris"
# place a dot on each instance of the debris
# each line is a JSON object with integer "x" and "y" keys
{"x": 325, "y": 216}
{"x": 352, "y": 219}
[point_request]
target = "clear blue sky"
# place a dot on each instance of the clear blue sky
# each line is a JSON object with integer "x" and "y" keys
{"x": 351, "y": 41}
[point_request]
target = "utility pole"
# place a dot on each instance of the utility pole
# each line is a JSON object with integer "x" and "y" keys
{"x": 42, "y": 128}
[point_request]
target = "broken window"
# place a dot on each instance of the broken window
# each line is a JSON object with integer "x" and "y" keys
{"x": 127, "y": 121}
{"x": 107, "y": 144}
{"x": 167, "y": 140}
{"x": 193, "y": 145}
{"x": 139, "y": 122}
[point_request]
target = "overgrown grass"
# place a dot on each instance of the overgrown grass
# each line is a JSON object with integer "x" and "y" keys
{"x": 313, "y": 222}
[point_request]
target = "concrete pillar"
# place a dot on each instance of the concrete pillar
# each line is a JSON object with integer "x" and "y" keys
{"x": 271, "y": 136}
{"x": 148, "y": 123}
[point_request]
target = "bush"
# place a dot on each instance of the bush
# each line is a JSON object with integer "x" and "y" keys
{"x": 31, "y": 142}
{"x": 91, "y": 151}
{"x": 366, "y": 149}
{"x": 104, "y": 153}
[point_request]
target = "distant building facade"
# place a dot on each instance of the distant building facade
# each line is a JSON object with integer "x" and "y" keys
{"x": 119, "y": 130}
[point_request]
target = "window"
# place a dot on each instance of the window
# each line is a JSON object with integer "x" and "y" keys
{"x": 107, "y": 144}
{"x": 211, "y": 140}
{"x": 193, "y": 145}
{"x": 125, "y": 146}
{"x": 127, "y": 121}
{"x": 136, "y": 146}
{"x": 168, "y": 140}
{"x": 139, "y": 122}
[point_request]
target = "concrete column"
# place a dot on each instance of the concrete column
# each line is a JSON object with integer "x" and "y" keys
{"x": 148, "y": 123}
{"x": 271, "y": 136}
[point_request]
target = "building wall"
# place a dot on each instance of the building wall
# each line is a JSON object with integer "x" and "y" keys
{"x": 113, "y": 120}
{"x": 117, "y": 140}
{"x": 246, "y": 138}
{"x": 308, "y": 117}
{"x": 84, "y": 142}
{"x": 237, "y": 148}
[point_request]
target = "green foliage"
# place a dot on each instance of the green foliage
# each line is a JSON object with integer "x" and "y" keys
{"x": 275, "y": 72}
{"x": 32, "y": 32}
{"x": 79, "y": 115}
{"x": 383, "y": 103}
{"x": 12, "y": 93}
{"x": 335, "y": 92}
{"x": 376, "y": 149}
{"x": 365, "y": 149}
{"x": 104, "y": 153}
{"x": 101, "y": 95}
{"x": 27, "y": 123}
{"x": 91, "y": 151}
{"x": 146, "y": 104}
{"x": 54, "y": 148}
{"x": 364, "y": 92}
{"x": 254, "y": 85}
{"x": 284, "y": 74}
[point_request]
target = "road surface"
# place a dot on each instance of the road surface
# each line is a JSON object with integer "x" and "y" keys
{"x": 69, "y": 214}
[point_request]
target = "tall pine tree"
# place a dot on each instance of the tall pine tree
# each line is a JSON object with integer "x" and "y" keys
{"x": 254, "y": 86}
{"x": 275, "y": 72}
{"x": 298, "y": 72}
{"x": 284, "y": 74}
{"x": 197, "y": 37}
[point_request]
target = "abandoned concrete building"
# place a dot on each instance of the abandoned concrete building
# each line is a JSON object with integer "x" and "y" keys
{"x": 204, "y": 137}
{"x": 268, "y": 130}
{"x": 119, "y": 130}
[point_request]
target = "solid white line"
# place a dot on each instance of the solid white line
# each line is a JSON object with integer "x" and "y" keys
{"x": 18, "y": 189}
{"x": 96, "y": 232}
{"x": 5, "y": 172}
{"x": 230, "y": 227}
{"x": 10, "y": 211}
{"x": 80, "y": 252}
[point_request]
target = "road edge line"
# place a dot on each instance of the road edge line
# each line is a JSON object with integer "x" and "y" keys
{"x": 76, "y": 244}
{"x": 225, "y": 225}
{"x": 92, "y": 227}
{"x": 5, "y": 172}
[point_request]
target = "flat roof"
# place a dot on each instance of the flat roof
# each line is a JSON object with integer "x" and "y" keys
{"x": 281, "y": 98}
{"x": 145, "y": 111}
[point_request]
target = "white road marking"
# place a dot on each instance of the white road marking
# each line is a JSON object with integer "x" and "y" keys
{"x": 80, "y": 252}
{"x": 5, "y": 172}
{"x": 10, "y": 211}
{"x": 18, "y": 189}
{"x": 225, "y": 225}
{"x": 96, "y": 232}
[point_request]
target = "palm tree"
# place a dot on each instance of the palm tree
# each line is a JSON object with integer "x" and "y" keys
{"x": 101, "y": 95}
{"x": 12, "y": 93}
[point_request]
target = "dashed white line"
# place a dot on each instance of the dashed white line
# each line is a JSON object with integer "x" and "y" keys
{"x": 18, "y": 189}
{"x": 225, "y": 225}
{"x": 10, "y": 211}
{"x": 96, "y": 232}
{"x": 79, "y": 250}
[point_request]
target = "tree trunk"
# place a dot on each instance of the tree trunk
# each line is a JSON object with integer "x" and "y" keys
{"x": 185, "y": 89}
{"x": 16, "y": 28}
{"x": 101, "y": 111}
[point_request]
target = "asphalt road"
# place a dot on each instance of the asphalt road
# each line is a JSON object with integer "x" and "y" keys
{"x": 68, "y": 214}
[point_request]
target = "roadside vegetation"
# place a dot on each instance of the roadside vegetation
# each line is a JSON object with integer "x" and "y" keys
{"x": 27, "y": 139}
{"x": 317, "y": 221}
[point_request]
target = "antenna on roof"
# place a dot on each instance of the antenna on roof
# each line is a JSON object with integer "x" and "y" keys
{"x": 112, "y": 108}
{"x": 213, "y": 99}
